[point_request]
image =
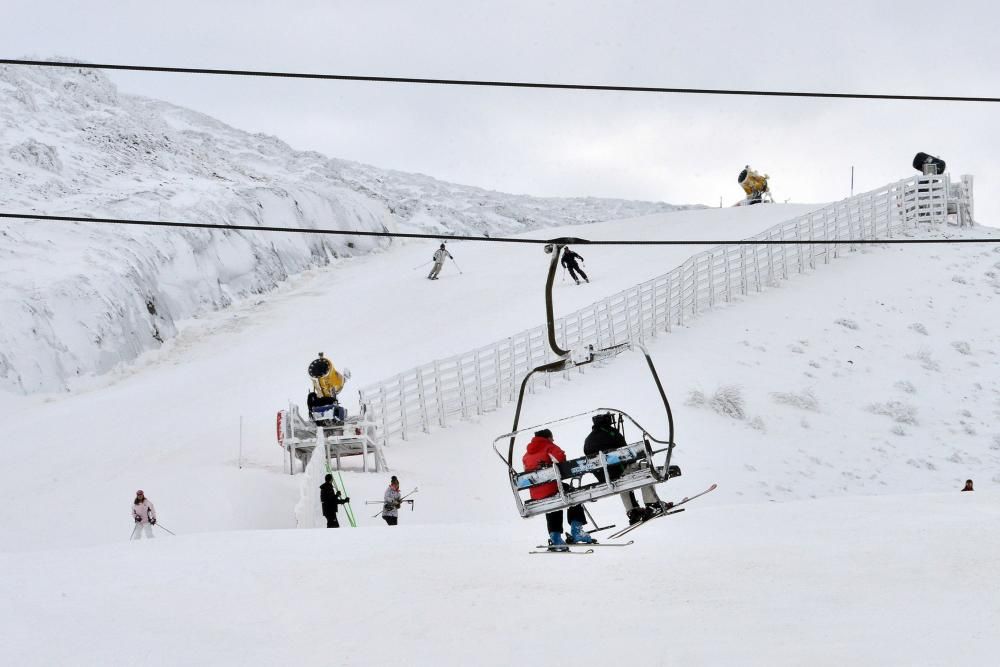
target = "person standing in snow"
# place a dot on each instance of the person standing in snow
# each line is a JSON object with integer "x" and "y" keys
{"x": 439, "y": 256}
{"x": 968, "y": 485}
{"x": 538, "y": 456}
{"x": 330, "y": 498}
{"x": 604, "y": 437}
{"x": 144, "y": 515}
{"x": 392, "y": 502}
{"x": 569, "y": 261}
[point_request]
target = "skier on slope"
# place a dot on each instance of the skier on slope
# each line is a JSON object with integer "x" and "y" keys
{"x": 968, "y": 485}
{"x": 537, "y": 456}
{"x": 144, "y": 515}
{"x": 604, "y": 437}
{"x": 330, "y": 498}
{"x": 392, "y": 502}
{"x": 569, "y": 261}
{"x": 439, "y": 256}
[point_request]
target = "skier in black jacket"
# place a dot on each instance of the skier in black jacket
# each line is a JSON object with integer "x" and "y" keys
{"x": 604, "y": 437}
{"x": 330, "y": 498}
{"x": 568, "y": 261}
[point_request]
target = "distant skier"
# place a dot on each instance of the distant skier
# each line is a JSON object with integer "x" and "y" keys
{"x": 604, "y": 437}
{"x": 330, "y": 498}
{"x": 439, "y": 256}
{"x": 144, "y": 515}
{"x": 392, "y": 502}
{"x": 569, "y": 261}
{"x": 968, "y": 485}
{"x": 537, "y": 456}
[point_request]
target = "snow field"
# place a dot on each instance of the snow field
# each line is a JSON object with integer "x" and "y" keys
{"x": 897, "y": 580}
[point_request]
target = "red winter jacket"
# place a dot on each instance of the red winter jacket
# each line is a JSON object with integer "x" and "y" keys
{"x": 537, "y": 457}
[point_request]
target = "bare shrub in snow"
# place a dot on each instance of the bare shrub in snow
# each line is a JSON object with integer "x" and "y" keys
{"x": 919, "y": 328}
{"x": 900, "y": 412}
{"x": 961, "y": 280}
{"x": 961, "y": 347}
{"x": 727, "y": 401}
{"x": 898, "y": 429}
{"x": 904, "y": 385}
{"x": 924, "y": 357}
{"x": 847, "y": 324}
{"x": 804, "y": 400}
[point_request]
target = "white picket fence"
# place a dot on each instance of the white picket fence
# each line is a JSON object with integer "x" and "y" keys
{"x": 484, "y": 379}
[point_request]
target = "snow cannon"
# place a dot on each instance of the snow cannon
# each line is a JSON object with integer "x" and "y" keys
{"x": 755, "y": 186}
{"x": 927, "y": 164}
{"x": 327, "y": 383}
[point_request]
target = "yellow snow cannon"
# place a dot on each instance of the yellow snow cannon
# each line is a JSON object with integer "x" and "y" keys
{"x": 755, "y": 186}
{"x": 327, "y": 381}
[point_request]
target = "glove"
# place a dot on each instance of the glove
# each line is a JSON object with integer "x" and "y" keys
{"x": 347, "y": 500}
{"x": 152, "y": 521}
{"x": 137, "y": 519}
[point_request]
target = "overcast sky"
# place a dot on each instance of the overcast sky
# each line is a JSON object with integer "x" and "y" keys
{"x": 680, "y": 149}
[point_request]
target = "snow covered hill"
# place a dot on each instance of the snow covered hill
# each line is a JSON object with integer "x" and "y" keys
{"x": 79, "y": 299}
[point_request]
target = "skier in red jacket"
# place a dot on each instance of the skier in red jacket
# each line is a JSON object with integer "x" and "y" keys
{"x": 537, "y": 456}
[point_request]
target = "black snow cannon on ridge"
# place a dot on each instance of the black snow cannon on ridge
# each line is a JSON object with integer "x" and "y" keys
{"x": 927, "y": 164}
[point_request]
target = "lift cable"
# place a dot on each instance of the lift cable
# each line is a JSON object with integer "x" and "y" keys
{"x": 486, "y": 239}
{"x": 499, "y": 84}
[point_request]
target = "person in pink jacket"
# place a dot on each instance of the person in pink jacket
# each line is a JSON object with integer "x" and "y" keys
{"x": 144, "y": 515}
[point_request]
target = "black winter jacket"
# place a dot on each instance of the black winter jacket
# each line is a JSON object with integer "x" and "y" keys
{"x": 569, "y": 259}
{"x": 330, "y": 498}
{"x": 603, "y": 439}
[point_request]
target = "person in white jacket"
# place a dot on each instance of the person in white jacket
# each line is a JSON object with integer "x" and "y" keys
{"x": 391, "y": 503}
{"x": 144, "y": 515}
{"x": 439, "y": 256}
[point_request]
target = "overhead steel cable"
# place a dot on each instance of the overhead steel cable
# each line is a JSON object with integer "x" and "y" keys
{"x": 499, "y": 84}
{"x": 485, "y": 239}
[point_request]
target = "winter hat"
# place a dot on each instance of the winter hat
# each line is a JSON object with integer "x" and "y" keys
{"x": 544, "y": 433}
{"x": 394, "y": 480}
{"x": 328, "y": 478}
{"x": 603, "y": 419}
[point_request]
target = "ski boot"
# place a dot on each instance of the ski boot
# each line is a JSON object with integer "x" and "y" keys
{"x": 556, "y": 542}
{"x": 659, "y": 507}
{"x": 636, "y": 515}
{"x": 577, "y": 535}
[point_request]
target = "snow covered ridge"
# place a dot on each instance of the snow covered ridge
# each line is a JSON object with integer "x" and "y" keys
{"x": 77, "y": 299}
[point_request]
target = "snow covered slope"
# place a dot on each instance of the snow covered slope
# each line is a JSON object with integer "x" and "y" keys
{"x": 79, "y": 299}
{"x": 896, "y": 580}
{"x": 868, "y": 391}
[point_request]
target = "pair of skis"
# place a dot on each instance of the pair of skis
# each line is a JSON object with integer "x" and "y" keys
{"x": 589, "y": 550}
{"x": 548, "y": 549}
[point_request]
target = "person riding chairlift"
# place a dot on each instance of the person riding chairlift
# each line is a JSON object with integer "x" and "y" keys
{"x": 537, "y": 456}
{"x": 604, "y": 437}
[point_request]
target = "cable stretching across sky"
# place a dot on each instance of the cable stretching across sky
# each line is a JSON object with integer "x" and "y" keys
{"x": 499, "y": 84}
{"x": 485, "y": 239}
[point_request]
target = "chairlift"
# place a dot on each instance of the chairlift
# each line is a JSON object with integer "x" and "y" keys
{"x": 642, "y": 462}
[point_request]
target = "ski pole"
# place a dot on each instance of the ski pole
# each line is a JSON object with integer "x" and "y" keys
{"x": 347, "y": 506}
{"x": 424, "y": 264}
{"x": 457, "y": 267}
{"x": 165, "y": 528}
{"x": 133, "y": 531}
{"x": 379, "y": 502}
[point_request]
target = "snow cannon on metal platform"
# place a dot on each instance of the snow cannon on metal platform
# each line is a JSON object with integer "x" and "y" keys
{"x": 928, "y": 165}
{"x": 327, "y": 382}
{"x": 755, "y": 186}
